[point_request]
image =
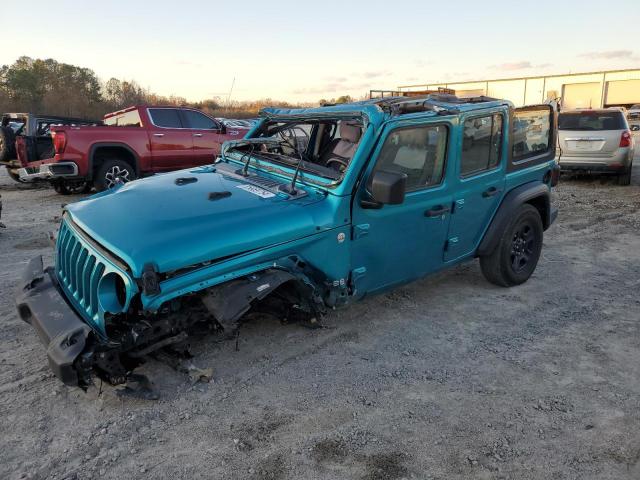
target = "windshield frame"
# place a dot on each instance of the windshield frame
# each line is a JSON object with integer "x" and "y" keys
{"x": 268, "y": 163}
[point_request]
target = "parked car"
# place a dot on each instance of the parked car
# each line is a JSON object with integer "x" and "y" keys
{"x": 132, "y": 143}
{"x": 235, "y": 123}
{"x": 35, "y": 127}
{"x": 633, "y": 115}
{"x": 384, "y": 193}
{"x": 596, "y": 141}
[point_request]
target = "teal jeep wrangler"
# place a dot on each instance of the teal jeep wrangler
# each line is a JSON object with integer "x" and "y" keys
{"x": 312, "y": 210}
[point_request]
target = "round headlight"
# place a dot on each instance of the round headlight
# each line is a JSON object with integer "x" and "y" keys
{"x": 112, "y": 293}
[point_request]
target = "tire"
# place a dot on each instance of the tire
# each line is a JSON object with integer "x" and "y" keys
{"x": 516, "y": 255}
{"x": 13, "y": 175}
{"x": 72, "y": 188}
{"x": 625, "y": 178}
{"x": 50, "y": 152}
{"x": 111, "y": 171}
{"x": 7, "y": 144}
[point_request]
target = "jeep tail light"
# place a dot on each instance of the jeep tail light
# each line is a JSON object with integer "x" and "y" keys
{"x": 625, "y": 139}
{"x": 59, "y": 141}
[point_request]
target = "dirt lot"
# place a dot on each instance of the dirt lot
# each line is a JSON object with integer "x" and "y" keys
{"x": 445, "y": 378}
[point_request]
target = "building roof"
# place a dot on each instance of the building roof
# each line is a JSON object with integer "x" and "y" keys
{"x": 599, "y": 72}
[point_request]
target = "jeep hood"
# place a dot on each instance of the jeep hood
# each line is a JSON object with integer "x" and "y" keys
{"x": 172, "y": 221}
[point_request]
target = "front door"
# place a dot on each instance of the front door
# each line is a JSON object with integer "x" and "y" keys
{"x": 480, "y": 179}
{"x": 393, "y": 244}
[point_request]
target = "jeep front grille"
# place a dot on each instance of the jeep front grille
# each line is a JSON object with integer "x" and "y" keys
{"x": 79, "y": 271}
{"x": 81, "y": 265}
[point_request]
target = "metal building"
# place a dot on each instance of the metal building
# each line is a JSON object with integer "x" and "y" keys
{"x": 576, "y": 90}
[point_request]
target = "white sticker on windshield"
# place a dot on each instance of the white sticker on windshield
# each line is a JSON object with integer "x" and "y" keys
{"x": 257, "y": 191}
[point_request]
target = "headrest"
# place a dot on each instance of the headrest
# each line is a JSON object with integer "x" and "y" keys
{"x": 350, "y": 132}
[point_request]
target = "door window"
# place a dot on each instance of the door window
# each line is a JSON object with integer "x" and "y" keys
{"x": 165, "y": 117}
{"x": 418, "y": 152}
{"x": 199, "y": 121}
{"x": 531, "y": 132}
{"x": 481, "y": 144}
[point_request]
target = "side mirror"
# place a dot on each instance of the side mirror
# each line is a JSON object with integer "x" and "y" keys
{"x": 222, "y": 128}
{"x": 388, "y": 188}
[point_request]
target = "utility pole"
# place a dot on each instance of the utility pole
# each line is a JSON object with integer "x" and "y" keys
{"x": 231, "y": 90}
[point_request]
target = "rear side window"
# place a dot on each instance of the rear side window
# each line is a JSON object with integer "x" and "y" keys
{"x": 418, "y": 152}
{"x": 165, "y": 117}
{"x": 591, "y": 121}
{"x": 531, "y": 132}
{"x": 199, "y": 121}
{"x": 481, "y": 144}
{"x": 126, "y": 119}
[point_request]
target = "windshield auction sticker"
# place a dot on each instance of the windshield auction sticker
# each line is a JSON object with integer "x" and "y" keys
{"x": 257, "y": 191}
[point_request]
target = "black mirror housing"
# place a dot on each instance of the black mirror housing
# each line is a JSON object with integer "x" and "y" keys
{"x": 222, "y": 128}
{"x": 388, "y": 188}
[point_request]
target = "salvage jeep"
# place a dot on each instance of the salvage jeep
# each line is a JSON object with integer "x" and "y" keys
{"x": 314, "y": 209}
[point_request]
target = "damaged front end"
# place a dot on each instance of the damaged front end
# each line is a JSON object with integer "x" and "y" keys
{"x": 92, "y": 324}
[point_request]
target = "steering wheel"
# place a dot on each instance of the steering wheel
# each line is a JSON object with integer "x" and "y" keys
{"x": 342, "y": 164}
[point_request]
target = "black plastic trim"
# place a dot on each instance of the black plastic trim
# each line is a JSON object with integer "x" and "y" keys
{"x": 41, "y": 304}
{"x": 510, "y": 203}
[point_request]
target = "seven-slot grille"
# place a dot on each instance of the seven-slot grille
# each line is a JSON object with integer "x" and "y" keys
{"x": 79, "y": 270}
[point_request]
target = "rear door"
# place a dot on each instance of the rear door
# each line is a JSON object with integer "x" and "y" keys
{"x": 171, "y": 143}
{"x": 590, "y": 133}
{"x": 480, "y": 180}
{"x": 206, "y": 136}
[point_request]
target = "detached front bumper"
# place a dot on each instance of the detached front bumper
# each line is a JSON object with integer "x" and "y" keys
{"x": 48, "y": 171}
{"x": 40, "y": 303}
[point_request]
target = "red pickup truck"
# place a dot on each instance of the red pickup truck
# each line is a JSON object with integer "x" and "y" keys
{"x": 133, "y": 142}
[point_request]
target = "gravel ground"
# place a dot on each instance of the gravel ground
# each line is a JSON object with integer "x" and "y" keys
{"x": 445, "y": 378}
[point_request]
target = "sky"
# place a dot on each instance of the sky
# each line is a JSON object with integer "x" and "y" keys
{"x": 305, "y": 51}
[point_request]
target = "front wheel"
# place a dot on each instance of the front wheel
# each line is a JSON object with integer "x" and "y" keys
{"x": 71, "y": 188}
{"x": 113, "y": 172}
{"x": 516, "y": 256}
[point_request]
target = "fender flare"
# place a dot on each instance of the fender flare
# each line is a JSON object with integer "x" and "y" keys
{"x": 95, "y": 146}
{"x": 512, "y": 201}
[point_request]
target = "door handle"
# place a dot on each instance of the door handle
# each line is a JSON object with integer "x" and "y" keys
{"x": 197, "y": 134}
{"x": 491, "y": 192}
{"x": 158, "y": 134}
{"x": 437, "y": 211}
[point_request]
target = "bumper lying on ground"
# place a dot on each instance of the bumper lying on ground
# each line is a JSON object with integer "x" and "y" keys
{"x": 49, "y": 171}
{"x": 42, "y": 306}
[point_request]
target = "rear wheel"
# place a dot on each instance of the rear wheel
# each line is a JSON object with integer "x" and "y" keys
{"x": 625, "y": 178}
{"x": 112, "y": 172}
{"x": 13, "y": 174}
{"x": 516, "y": 256}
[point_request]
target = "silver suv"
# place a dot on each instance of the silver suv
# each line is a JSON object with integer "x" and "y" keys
{"x": 595, "y": 141}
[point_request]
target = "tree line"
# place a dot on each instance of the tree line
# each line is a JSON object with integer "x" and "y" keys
{"x": 49, "y": 87}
